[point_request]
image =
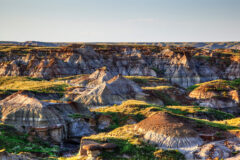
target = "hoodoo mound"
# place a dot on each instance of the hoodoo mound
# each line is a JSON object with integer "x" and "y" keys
{"x": 102, "y": 88}
{"x": 168, "y": 131}
{"x": 220, "y": 94}
{"x": 47, "y": 120}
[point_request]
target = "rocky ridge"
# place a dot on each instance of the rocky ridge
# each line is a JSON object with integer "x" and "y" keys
{"x": 181, "y": 66}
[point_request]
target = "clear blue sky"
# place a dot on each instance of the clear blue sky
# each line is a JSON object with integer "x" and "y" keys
{"x": 120, "y": 20}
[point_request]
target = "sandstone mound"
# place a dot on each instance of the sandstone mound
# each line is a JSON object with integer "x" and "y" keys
{"x": 29, "y": 114}
{"x": 110, "y": 92}
{"x": 103, "y": 87}
{"x": 98, "y": 77}
{"x": 217, "y": 94}
{"x": 168, "y": 131}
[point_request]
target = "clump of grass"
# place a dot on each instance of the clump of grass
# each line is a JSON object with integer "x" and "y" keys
{"x": 14, "y": 142}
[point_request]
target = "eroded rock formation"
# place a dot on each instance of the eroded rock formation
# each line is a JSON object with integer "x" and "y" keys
{"x": 168, "y": 131}
{"x": 103, "y": 88}
{"x": 48, "y": 120}
{"x": 217, "y": 94}
{"x": 177, "y": 64}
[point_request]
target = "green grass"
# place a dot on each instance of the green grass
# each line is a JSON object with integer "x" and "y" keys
{"x": 146, "y": 80}
{"x": 231, "y": 122}
{"x": 185, "y": 110}
{"x": 191, "y": 88}
{"x": 207, "y": 58}
{"x": 167, "y": 100}
{"x": 130, "y": 109}
{"x": 137, "y": 152}
{"x": 234, "y": 83}
{"x": 119, "y": 119}
{"x": 219, "y": 114}
{"x": 13, "y": 84}
{"x": 127, "y": 144}
{"x": 217, "y": 85}
{"x": 139, "y": 110}
{"x": 78, "y": 115}
{"x": 160, "y": 92}
{"x": 22, "y": 50}
{"x": 130, "y": 144}
{"x": 214, "y": 124}
{"x": 169, "y": 155}
{"x": 68, "y": 77}
{"x": 14, "y": 142}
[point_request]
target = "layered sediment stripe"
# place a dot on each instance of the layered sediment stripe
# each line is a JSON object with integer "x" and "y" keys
{"x": 165, "y": 141}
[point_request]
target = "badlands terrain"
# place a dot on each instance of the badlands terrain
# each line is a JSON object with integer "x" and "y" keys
{"x": 138, "y": 101}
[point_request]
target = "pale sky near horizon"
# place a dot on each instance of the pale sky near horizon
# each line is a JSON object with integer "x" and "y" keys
{"x": 120, "y": 20}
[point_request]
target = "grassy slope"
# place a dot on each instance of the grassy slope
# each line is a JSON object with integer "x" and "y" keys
{"x": 15, "y": 142}
{"x": 217, "y": 85}
{"x": 11, "y": 84}
{"x": 146, "y": 80}
{"x": 130, "y": 143}
{"x": 138, "y": 110}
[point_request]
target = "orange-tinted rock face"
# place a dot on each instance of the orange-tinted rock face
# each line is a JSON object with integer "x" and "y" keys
{"x": 234, "y": 94}
{"x": 176, "y": 64}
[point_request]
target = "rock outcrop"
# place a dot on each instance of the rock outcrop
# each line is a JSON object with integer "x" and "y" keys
{"x": 48, "y": 120}
{"x": 218, "y": 94}
{"x": 101, "y": 88}
{"x": 91, "y": 150}
{"x": 218, "y": 150}
{"x": 179, "y": 65}
{"x": 168, "y": 131}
